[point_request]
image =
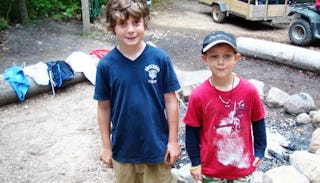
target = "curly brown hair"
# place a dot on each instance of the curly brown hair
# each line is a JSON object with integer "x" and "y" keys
{"x": 122, "y": 9}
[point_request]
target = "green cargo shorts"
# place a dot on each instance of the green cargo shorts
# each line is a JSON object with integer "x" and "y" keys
{"x": 143, "y": 173}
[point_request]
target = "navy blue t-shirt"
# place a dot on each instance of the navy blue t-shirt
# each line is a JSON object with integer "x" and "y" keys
{"x": 136, "y": 90}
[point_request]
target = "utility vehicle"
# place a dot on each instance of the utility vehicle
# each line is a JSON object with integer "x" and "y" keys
{"x": 253, "y": 10}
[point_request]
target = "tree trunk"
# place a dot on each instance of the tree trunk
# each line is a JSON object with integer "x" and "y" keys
{"x": 85, "y": 16}
{"x": 23, "y": 11}
{"x": 285, "y": 54}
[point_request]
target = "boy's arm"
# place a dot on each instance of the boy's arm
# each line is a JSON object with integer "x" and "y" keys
{"x": 193, "y": 149}
{"x": 104, "y": 120}
{"x": 193, "y": 144}
{"x": 259, "y": 137}
{"x": 172, "y": 111}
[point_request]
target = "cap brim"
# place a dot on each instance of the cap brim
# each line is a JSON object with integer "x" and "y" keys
{"x": 218, "y": 42}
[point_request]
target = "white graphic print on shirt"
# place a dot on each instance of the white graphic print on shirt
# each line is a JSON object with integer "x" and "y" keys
{"x": 231, "y": 147}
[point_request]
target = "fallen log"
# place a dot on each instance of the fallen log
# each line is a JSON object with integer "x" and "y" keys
{"x": 8, "y": 95}
{"x": 294, "y": 56}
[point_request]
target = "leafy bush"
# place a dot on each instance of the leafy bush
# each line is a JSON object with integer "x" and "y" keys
{"x": 3, "y": 23}
{"x": 68, "y": 12}
{"x": 102, "y": 1}
{"x": 60, "y": 9}
{"x": 9, "y": 10}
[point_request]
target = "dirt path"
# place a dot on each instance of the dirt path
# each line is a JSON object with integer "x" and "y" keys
{"x": 52, "y": 139}
{"x": 56, "y": 139}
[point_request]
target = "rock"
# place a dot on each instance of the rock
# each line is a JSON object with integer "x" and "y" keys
{"x": 286, "y": 174}
{"x": 183, "y": 174}
{"x": 260, "y": 177}
{"x": 259, "y": 85}
{"x": 306, "y": 163}
{"x": 312, "y": 113}
{"x": 192, "y": 77}
{"x": 315, "y": 141}
{"x": 276, "y": 97}
{"x": 299, "y": 103}
{"x": 303, "y": 118}
{"x": 316, "y": 118}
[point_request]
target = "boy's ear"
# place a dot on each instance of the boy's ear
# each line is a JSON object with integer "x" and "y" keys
{"x": 204, "y": 58}
{"x": 238, "y": 57}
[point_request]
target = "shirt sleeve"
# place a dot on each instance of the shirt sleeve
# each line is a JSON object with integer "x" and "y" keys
{"x": 259, "y": 137}
{"x": 102, "y": 90}
{"x": 193, "y": 116}
{"x": 193, "y": 144}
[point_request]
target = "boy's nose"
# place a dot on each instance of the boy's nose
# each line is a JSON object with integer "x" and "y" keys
{"x": 130, "y": 28}
{"x": 220, "y": 60}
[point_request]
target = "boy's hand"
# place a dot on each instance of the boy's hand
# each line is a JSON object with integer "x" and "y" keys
{"x": 196, "y": 173}
{"x": 106, "y": 157}
{"x": 257, "y": 162}
{"x": 173, "y": 153}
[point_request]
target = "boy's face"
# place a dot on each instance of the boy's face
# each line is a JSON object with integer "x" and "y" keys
{"x": 130, "y": 32}
{"x": 221, "y": 59}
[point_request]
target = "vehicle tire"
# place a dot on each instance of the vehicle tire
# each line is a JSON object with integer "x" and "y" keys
{"x": 300, "y": 32}
{"x": 217, "y": 15}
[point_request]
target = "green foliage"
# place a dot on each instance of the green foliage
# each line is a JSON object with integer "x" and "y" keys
{"x": 9, "y": 10}
{"x": 3, "y": 23}
{"x": 68, "y": 12}
{"x": 60, "y": 9}
{"x": 102, "y": 2}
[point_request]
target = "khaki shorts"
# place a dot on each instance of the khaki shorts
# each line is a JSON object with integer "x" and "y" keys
{"x": 246, "y": 179}
{"x": 143, "y": 173}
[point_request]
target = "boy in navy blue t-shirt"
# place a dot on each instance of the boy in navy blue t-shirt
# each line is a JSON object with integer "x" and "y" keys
{"x": 137, "y": 105}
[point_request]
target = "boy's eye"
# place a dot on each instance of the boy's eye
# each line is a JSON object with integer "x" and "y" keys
{"x": 122, "y": 23}
{"x": 225, "y": 56}
{"x": 137, "y": 22}
{"x": 213, "y": 56}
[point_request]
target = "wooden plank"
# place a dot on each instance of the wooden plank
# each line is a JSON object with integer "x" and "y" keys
{"x": 238, "y": 7}
{"x": 256, "y": 12}
{"x": 276, "y": 11}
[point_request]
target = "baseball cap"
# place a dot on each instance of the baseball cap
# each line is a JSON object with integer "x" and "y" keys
{"x": 217, "y": 37}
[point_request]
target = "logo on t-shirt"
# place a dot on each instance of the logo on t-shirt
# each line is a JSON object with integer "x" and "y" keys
{"x": 152, "y": 73}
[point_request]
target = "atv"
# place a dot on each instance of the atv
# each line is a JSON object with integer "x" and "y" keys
{"x": 305, "y": 27}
